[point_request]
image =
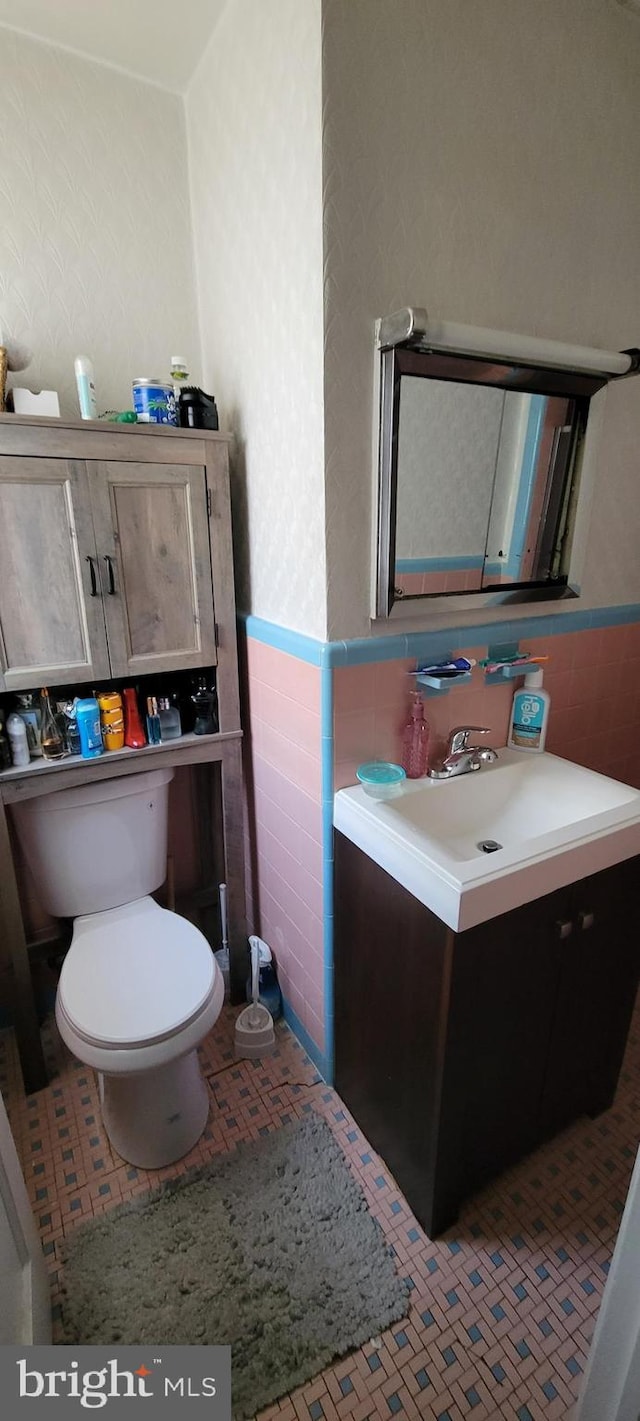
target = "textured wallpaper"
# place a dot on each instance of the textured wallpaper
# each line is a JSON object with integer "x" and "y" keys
{"x": 480, "y": 160}
{"x": 254, "y": 125}
{"x": 95, "y": 246}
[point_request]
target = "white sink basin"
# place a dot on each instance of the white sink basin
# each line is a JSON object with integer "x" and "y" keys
{"x": 554, "y": 822}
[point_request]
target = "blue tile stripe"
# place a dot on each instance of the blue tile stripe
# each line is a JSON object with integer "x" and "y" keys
{"x": 326, "y": 781}
{"x": 466, "y": 562}
{"x": 361, "y": 650}
{"x": 306, "y": 648}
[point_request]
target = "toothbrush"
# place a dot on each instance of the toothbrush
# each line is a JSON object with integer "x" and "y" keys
{"x": 507, "y": 664}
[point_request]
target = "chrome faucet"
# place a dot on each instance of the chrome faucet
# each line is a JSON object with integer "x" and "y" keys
{"x": 461, "y": 757}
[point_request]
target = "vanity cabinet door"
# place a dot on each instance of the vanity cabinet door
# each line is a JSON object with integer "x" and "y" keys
{"x": 152, "y": 535}
{"x": 598, "y": 967}
{"x": 52, "y": 628}
{"x": 501, "y": 1017}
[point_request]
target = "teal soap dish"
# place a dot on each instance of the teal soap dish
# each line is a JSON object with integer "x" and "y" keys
{"x": 380, "y": 778}
{"x": 443, "y": 683}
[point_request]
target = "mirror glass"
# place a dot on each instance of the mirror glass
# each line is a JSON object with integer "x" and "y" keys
{"x": 477, "y": 470}
{"x": 478, "y": 476}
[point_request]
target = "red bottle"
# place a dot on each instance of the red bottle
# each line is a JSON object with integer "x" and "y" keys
{"x": 134, "y": 735}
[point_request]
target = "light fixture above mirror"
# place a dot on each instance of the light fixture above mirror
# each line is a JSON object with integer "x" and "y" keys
{"x": 480, "y": 462}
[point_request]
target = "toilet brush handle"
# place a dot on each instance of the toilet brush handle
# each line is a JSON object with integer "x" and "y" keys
{"x": 255, "y": 970}
{"x": 223, "y": 916}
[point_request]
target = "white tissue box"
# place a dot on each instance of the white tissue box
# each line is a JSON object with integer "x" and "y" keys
{"x": 43, "y": 402}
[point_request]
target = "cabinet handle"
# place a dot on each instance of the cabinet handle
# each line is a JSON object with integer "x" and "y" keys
{"x": 112, "y": 581}
{"x": 94, "y": 585}
{"x": 564, "y": 928}
{"x": 586, "y": 920}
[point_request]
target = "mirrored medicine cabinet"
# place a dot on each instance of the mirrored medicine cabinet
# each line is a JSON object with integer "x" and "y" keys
{"x": 480, "y": 463}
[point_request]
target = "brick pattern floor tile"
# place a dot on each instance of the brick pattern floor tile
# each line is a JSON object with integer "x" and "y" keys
{"x": 502, "y": 1307}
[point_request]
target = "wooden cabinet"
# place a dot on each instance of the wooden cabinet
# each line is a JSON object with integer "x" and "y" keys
{"x": 106, "y": 570}
{"x": 151, "y": 531}
{"x": 115, "y": 548}
{"x": 460, "y": 1052}
{"x": 52, "y": 628}
{"x": 596, "y": 965}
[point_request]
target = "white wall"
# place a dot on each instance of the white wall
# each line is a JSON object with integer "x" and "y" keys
{"x": 480, "y": 160}
{"x": 611, "y": 1386}
{"x": 25, "y": 1306}
{"x": 254, "y": 116}
{"x": 95, "y": 246}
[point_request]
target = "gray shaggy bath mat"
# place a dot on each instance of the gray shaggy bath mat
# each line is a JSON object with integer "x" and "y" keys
{"x": 271, "y": 1249}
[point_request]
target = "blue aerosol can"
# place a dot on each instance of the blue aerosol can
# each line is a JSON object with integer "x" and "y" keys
{"x": 88, "y": 723}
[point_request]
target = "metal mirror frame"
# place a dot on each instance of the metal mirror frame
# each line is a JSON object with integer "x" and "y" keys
{"x": 406, "y": 359}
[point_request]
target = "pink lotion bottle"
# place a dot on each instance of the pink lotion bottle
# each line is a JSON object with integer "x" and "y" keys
{"x": 415, "y": 741}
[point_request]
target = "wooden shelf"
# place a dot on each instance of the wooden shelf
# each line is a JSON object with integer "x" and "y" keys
{"x": 28, "y": 421}
{"x": 37, "y": 777}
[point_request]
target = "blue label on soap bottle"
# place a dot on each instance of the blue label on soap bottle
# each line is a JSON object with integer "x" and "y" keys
{"x": 528, "y": 717}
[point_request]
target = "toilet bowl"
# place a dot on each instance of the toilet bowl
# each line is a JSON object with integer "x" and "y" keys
{"x": 140, "y": 987}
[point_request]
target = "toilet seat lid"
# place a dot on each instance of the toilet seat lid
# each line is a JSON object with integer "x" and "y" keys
{"x": 135, "y": 975}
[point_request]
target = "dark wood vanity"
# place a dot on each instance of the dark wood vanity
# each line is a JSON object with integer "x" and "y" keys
{"x": 458, "y": 1053}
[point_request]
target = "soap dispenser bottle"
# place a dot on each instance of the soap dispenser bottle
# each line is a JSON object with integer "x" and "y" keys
{"x": 529, "y": 715}
{"x": 415, "y": 741}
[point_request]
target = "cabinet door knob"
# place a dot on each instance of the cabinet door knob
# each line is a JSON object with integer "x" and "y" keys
{"x": 94, "y": 585}
{"x": 564, "y": 928}
{"x": 586, "y": 920}
{"x": 112, "y": 581}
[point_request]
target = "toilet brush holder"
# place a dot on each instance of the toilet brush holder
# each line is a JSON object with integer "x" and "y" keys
{"x": 254, "y": 1034}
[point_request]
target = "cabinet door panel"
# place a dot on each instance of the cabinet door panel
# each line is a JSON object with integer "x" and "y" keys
{"x": 503, "y": 994}
{"x": 598, "y": 970}
{"x": 151, "y": 522}
{"x": 52, "y": 629}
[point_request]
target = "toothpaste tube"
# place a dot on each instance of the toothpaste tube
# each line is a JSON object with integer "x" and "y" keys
{"x": 458, "y": 667}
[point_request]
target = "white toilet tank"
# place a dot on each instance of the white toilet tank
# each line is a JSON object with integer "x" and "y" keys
{"x": 97, "y": 846}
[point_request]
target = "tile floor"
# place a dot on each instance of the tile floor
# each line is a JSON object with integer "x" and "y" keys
{"x": 502, "y": 1307}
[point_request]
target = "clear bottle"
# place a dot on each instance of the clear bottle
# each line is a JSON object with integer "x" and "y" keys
{"x": 17, "y": 732}
{"x": 169, "y": 717}
{"x": 70, "y": 725}
{"x": 52, "y": 738}
{"x": 32, "y": 717}
{"x": 415, "y": 741}
{"x": 154, "y": 733}
{"x": 179, "y": 373}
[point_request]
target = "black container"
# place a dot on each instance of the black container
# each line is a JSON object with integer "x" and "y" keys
{"x": 204, "y": 704}
{"x": 197, "y": 410}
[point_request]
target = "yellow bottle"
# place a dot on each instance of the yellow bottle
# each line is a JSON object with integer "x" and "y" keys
{"x": 111, "y": 719}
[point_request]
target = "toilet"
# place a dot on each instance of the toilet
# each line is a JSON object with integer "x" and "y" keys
{"x": 140, "y": 986}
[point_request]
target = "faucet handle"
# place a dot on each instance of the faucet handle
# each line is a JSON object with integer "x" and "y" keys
{"x": 459, "y": 737}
